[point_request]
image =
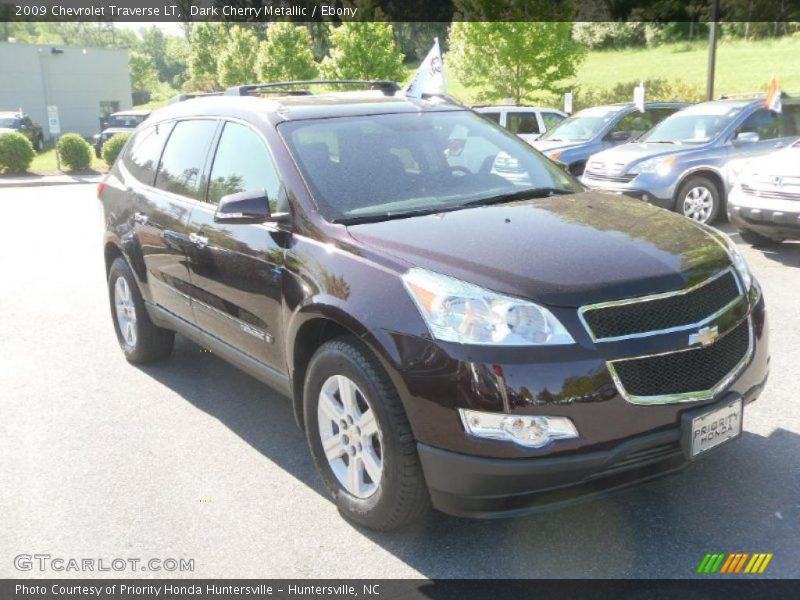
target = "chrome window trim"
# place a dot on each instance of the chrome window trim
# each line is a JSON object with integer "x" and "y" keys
{"x": 695, "y": 396}
{"x": 600, "y": 305}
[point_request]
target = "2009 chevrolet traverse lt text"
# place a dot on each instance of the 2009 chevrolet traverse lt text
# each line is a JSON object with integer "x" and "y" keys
{"x": 447, "y": 336}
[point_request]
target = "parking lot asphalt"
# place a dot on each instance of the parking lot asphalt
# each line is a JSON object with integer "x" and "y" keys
{"x": 191, "y": 458}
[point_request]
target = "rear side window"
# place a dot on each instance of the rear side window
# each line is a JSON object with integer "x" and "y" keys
{"x": 142, "y": 158}
{"x": 492, "y": 116}
{"x": 184, "y": 158}
{"x": 243, "y": 163}
{"x": 522, "y": 123}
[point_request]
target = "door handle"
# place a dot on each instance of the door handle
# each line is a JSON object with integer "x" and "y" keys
{"x": 140, "y": 218}
{"x": 198, "y": 240}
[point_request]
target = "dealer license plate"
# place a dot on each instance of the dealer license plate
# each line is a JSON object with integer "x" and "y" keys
{"x": 710, "y": 429}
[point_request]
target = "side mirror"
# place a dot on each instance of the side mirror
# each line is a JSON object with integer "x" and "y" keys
{"x": 746, "y": 137}
{"x": 251, "y": 206}
{"x": 618, "y": 136}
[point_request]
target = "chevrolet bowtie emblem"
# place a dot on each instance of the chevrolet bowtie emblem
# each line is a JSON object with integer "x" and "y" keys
{"x": 704, "y": 336}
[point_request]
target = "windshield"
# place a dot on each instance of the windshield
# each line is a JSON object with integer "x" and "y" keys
{"x": 9, "y": 122}
{"x": 128, "y": 121}
{"x": 694, "y": 125}
{"x": 383, "y": 166}
{"x": 583, "y": 125}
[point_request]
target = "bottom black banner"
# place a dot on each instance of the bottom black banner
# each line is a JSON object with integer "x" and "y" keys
{"x": 389, "y": 589}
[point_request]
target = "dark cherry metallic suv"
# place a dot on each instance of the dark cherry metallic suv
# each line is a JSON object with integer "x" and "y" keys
{"x": 457, "y": 321}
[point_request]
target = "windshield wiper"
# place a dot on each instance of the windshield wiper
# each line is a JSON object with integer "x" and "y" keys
{"x": 519, "y": 195}
{"x": 659, "y": 141}
{"x": 388, "y": 216}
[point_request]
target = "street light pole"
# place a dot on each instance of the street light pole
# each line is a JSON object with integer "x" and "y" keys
{"x": 712, "y": 50}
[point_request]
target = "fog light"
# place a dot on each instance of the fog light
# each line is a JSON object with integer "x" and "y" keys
{"x": 524, "y": 430}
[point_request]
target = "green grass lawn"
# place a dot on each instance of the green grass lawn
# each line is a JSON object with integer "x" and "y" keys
{"x": 45, "y": 163}
{"x": 742, "y": 67}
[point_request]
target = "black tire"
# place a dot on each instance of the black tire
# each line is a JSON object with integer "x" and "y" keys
{"x": 401, "y": 496}
{"x": 699, "y": 182}
{"x": 152, "y": 343}
{"x": 576, "y": 169}
{"x": 756, "y": 239}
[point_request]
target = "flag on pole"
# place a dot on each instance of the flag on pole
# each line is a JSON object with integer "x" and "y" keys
{"x": 773, "y": 99}
{"x": 429, "y": 78}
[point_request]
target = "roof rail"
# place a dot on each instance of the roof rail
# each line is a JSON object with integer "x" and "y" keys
{"x": 279, "y": 87}
{"x": 189, "y": 96}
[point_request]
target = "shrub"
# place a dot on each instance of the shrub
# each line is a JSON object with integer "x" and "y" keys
{"x": 113, "y": 147}
{"x": 75, "y": 152}
{"x": 16, "y": 152}
{"x": 655, "y": 90}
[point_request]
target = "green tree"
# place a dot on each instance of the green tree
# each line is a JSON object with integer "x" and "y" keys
{"x": 286, "y": 55}
{"x": 518, "y": 60}
{"x": 206, "y": 41}
{"x": 144, "y": 77}
{"x": 237, "y": 60}
{"x": 363, "y": 51}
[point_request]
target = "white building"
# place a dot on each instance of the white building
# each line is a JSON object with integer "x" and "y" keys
{"x": 86, "y": 84}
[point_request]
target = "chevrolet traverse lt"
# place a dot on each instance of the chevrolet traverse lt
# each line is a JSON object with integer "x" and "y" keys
{"x": 447, "y": 336}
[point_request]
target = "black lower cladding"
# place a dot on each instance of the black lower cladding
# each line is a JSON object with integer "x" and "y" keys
{"x": 663, "y": 313}
{"x": 687, "y": 371}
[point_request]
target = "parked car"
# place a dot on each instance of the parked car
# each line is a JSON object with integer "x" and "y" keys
{"x": 764, "y": 202}
{"x": 21, "y": 123}
{"x": 528, "y": 122}
{"x": 598, "y": 128}
{"x": 445, "y": 335}
{"x": 679, "y": 164}
{"x": 119, "y": 122}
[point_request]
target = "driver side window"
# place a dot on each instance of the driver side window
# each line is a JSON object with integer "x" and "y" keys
{"x": 764, "y": 122}
{"x": 634, "y": 124}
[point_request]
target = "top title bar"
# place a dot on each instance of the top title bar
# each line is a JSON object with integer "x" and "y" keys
{"x": 397, "y": 10}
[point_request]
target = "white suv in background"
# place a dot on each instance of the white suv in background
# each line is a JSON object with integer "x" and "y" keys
{"x": 528, "y": 122}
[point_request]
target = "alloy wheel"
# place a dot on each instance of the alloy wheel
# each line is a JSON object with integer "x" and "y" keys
{"x": 698, "y": 204}
{"x": 350, "y": 435}
{"x": 126, "y": 311}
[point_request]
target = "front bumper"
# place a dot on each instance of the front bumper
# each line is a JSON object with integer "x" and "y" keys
{"x": 648, "y": 187}
{"x": 478, "y": 487}
{"x": 777, "y": 218}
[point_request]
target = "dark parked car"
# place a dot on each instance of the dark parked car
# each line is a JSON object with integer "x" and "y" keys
{"x": 445, "y": 334}
{"x": 119, "y": 122}
{"x": 591, "y": 130}
{"x": 21, "y": 123}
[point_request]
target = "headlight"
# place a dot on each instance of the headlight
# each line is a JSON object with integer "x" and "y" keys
{"x": 456, "y": 311}
{"x": 659, "y": 166}
{"x": 524, "y": 430}
{"x": 738, "y": 263}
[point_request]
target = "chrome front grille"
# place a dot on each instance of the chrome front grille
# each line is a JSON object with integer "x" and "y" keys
{"x": 771, "y": 194}
{"x": 689, "y": 308}
{"x": 713, "y": 312}
{"x": 687, "y": 375}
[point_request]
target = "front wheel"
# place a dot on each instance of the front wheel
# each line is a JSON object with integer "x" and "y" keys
{"x": 360, "y": 437}
{"x": 699, "y": 199}
{"x": 139, "y": 338}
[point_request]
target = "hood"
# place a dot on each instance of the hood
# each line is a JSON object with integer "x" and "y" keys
{"x": 114, "y": 130}
{"x": 633, "y": 152}
{"x": 782, "y": 163}
{"x": 561, "y": 251}
{"x": 550, "y": 145}
{"x": 8, "y": 130}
